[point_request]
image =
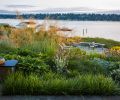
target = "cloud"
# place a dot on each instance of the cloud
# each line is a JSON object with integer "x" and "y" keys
{"x": 20, "y": 6}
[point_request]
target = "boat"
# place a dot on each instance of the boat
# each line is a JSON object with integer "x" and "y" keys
{"x": 64, "y": 29}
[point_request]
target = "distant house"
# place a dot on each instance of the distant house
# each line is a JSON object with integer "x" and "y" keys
{"x": 63, "y": 29}
{"x": 27, "y": 24}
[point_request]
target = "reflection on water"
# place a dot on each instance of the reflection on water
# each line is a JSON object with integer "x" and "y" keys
{"x": 108, "y": 30}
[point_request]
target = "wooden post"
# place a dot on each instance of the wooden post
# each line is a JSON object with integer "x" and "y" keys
{"x": 83, "y": 32}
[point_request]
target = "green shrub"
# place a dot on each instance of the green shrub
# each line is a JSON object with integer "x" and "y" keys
{"x": 84, "y": 66}
{"x": 28, "y": 64}
{"x": 113, "y": 58}
{"x": 24, "y": 52}
{"x": 35, "y": 65}
{"x": 19, "y": 84}
{"x": 114, "y": 71}
{"x": 84, "y": 63}
{"x": 113, "y": 54}
{"x": 105, "y": 64}
{"x": 96, "y": 55}
{"x": 76, "y": 53}
{"x": 6, "y": 46}
{"x": 47, "y": 46}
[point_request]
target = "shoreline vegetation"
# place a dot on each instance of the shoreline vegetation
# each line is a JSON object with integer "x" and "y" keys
{"x": 46, "y": 67}
{"x": 66, "y": 16}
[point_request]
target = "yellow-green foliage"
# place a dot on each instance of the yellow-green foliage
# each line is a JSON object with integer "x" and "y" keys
{"x": 115, "y": 51}
{"x": 116, "y": 48}
{"x": 70, "y": 40}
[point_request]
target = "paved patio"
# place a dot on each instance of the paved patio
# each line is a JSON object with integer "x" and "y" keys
{"x": 59, "y": 98}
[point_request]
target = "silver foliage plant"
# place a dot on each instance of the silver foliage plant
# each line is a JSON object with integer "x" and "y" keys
{"x": 61, "y": 60}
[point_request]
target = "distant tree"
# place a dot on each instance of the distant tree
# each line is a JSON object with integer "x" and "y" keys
{"x": 67, "y": 16}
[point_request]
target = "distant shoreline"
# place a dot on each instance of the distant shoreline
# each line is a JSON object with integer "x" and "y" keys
{"x": 67, "y": 16}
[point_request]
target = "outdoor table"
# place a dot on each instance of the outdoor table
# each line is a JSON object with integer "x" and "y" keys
{"x": 9, "y": 65}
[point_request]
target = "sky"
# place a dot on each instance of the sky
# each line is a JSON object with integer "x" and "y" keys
{"x": 43, "y": 4}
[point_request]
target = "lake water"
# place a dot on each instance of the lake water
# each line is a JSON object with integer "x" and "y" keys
{"x": 102, "y": 29}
